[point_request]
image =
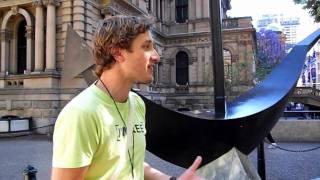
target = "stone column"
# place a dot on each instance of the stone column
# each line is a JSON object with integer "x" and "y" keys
{"x": 205, "y": 9}
{"x": 79, "y": 15}
{"x": 51, "y": 36}
{"x": 39, "y": 38}
{"x": 193, "y": 70}
{"x": 29, "y": 49}
{"x": 173, "y": 11}
{"x": 4, "y": 51}
{"x": 200, "y": 70}
{"x": 198, "y": 9}
{"x": 191, "y": 9}
{"x": 207, "y": 65}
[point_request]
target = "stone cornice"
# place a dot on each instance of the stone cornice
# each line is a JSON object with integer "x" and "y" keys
{"x": 200, "y": 39}
{"x": 226, "y": 31}
{"x": 30, "y": 76}
{"x": 120, "y": 7}
{"x": 14, "y": 3}
{"x": 23, "y": 91}
{"x": 190, "y": 34}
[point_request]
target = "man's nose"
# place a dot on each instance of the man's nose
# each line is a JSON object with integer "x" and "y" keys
{"x": 155, "y": 57}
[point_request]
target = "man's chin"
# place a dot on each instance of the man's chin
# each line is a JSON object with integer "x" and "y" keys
{"x": 147, "y": 81}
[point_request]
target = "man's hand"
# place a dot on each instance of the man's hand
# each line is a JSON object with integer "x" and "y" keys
{"x": 190, "y": 173}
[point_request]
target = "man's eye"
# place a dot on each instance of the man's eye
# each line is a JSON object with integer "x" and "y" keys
{"x": 146, "y": 46}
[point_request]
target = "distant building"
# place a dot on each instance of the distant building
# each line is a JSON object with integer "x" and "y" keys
{"x": 310, "y": 74}
{"x": 289, "y": 26}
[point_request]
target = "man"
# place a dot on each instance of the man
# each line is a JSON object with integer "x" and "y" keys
{"x": 100, "y": 134}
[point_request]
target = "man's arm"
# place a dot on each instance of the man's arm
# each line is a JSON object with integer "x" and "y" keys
{"x": 153, "y": 174}
{"x": 68, "y": 173}
{"x": 190, "y": 174}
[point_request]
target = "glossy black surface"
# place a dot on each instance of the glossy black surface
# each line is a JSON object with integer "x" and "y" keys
{"x": 179, "y": 138}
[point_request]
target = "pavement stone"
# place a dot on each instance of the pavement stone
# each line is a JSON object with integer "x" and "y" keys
{"x": 18, "y": 152}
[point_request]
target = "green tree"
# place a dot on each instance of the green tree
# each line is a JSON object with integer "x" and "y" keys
{"x": 313, "y": 6}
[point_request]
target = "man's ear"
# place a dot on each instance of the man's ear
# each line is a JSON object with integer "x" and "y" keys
{"x": 117, "y": 54}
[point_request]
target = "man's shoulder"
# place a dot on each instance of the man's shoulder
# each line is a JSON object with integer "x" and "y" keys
{"x": 135, "y": 96}
{"x": 84, "y": 100}
{"x": 80, "y": 108}
{"x": 138, "y": 101}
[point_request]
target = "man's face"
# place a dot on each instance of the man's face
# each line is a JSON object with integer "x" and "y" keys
{"x": 140, "y": 61}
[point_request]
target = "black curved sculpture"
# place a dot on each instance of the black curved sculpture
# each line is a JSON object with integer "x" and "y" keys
{"x": 179, "y": 138}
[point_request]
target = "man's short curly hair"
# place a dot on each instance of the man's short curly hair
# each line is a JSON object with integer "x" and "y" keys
{"x": 116, "y": 32}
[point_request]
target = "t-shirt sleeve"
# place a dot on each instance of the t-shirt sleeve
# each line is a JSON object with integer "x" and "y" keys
{"x": 75, "y": 139}
{"x": 140, "y": 106}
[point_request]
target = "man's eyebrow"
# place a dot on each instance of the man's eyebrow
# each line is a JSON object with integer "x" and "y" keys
{"x": 148, "y": 41}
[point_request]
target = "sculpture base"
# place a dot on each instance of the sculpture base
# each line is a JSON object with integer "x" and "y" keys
{"x": 233, "y": 165}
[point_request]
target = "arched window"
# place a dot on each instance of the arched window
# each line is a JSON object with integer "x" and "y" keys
{"x": 181, "y": 11}
{"x": 182, "y": 68}
{"x": 22, "y": 48}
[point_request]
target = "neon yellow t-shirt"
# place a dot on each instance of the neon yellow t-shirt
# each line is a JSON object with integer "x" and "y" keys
{"x": 90, "y": 132}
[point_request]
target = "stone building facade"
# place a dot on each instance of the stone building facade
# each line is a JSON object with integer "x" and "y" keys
{"x": 33, "y": 34}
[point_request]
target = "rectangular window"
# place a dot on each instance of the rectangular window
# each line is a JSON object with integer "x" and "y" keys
{"x": 161, "y": 9}
{"x": 157, "y": 9}
{"x": 181, "y": 11}
{"x": 148, "y": 5}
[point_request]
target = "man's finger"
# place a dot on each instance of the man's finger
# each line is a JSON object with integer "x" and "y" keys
{"x": 196, "y": 164}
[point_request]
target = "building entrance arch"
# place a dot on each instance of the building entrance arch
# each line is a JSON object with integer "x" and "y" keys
{"x": 25, "y": 28}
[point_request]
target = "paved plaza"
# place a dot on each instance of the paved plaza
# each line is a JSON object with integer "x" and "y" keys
{"x": 16, "y": 153}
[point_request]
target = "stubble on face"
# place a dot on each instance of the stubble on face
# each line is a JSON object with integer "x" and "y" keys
{"x": 145, "y": 58}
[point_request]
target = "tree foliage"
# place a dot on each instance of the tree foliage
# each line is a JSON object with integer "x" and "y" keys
{"x": 270, "y": 52}
{"x": 313, "y": 6}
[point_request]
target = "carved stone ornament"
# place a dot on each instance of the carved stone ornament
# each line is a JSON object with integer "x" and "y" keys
{"x": 51, "y": 2}
{"x": 14, "y": 10}
{"x": 108, "y": 11}
{"x": 37, "y": 2}
{"x": 105, "y": 2}
{"x": 5, "y": 35}
{"x": 29, "y": 32}
{"x": 192, "y": 60}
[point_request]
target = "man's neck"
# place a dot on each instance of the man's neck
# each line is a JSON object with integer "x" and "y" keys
{"x": 117, "y": 86}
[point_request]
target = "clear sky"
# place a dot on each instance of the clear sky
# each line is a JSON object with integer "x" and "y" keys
{"x": 259, "y": 7}
{"x": 256, "y": 8}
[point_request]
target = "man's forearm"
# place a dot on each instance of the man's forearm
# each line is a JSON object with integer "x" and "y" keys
{"x": 154, "y": 174}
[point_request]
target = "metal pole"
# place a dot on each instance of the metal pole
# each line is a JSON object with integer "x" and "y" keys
{"x": 217, "y": 55}
{"x": 261, "y": 162}
{"x": 30, "y": 173}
